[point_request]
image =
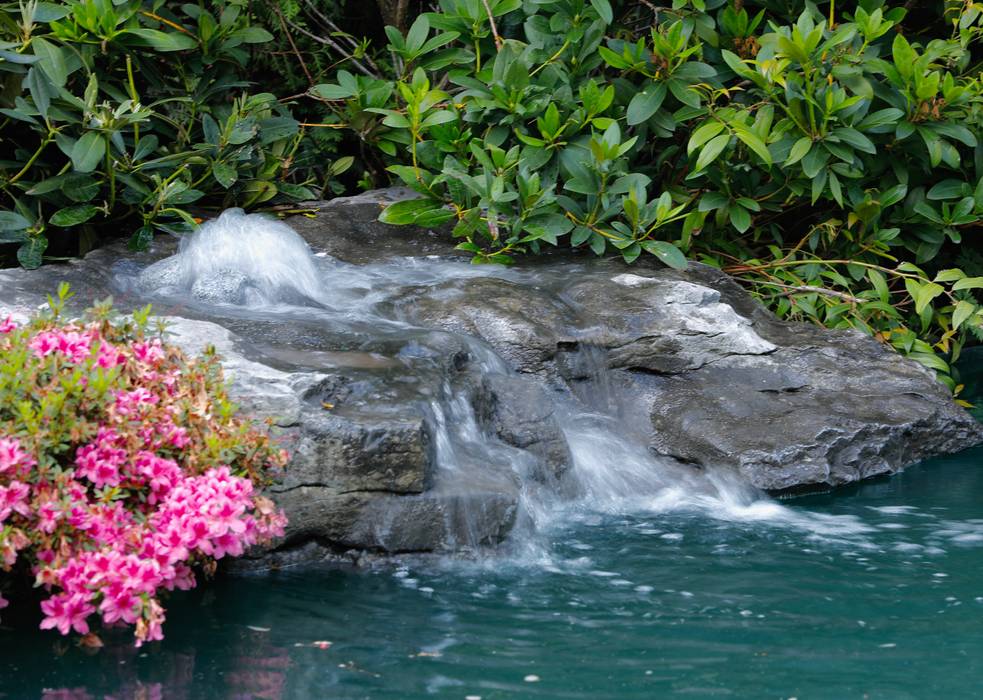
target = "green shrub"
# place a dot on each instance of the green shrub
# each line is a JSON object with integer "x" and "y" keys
{"x": 132, "y": 112}
{"x": 824, "y": 158}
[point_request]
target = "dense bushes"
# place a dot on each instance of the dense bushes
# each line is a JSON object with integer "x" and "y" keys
{"x": 122, "y": 467}
{"x": 132, "y": 112}
{"x": 826, "y": 159}
{"x": 826, "y": 154}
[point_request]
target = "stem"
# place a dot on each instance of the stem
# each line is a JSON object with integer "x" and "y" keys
{"x": 494, "y": 29}
{"x": 27, "y": 166}
{"x": 111, "y": 172}
{"x": 815, "y": 290}
{"x": 134, "y": 97}
{"x": 552, "y": 58}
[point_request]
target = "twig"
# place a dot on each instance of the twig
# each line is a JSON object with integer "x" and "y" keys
{"x": 283, "y": 24}
{"x": 333, "y": 44}
{"x": 337, "y": 30}
{"x": 494, "y": 29}
{"x": 816, "y": 290}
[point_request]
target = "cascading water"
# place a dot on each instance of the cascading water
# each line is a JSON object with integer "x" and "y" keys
{"x": 613, "y": 471}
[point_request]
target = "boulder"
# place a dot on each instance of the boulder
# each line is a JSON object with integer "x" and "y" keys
{"x": 522, "y": 414}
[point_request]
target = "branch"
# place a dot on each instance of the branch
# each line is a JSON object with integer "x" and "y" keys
{"x": 283, "y": 24}
{"x": 312, "y": 8}
{"x": 334, "y": 45}
{"x": 494, "y": 29}
{"x": 814, "y": 290}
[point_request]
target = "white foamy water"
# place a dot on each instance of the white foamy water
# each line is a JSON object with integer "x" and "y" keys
{"x": 270, "y": 254}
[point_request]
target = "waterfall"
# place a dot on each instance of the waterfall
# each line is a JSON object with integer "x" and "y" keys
{"x": 613, "y": 470}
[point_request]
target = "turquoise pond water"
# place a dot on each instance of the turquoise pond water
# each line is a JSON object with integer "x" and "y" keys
{"x": 872, "y": 592}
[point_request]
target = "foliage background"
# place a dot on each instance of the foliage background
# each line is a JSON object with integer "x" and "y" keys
{"x": 826, "y": 154}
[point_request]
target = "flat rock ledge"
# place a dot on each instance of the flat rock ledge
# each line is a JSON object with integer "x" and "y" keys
{"x": 687, "y": 359}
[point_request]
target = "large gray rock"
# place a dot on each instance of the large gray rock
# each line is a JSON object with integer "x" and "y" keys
{"x": 366, "y": 388}
{"x": 523, "y": 414}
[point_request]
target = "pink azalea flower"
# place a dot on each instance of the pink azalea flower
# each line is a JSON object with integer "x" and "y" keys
{"x": 67, "y": 612}
{"x": 13, "y": 457}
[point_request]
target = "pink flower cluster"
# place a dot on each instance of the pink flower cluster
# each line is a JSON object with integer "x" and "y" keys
{"x": 76, "y": 346}
{"x": 123, "y": 518}
{"x": 214, "y": 515}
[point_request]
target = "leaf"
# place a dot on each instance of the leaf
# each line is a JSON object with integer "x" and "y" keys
{"x": 855, "y": 139}
{"x": 332, "y": 92}
{"x": 926, "y": 293}
{"x": 162, "y": 41}
{"x": 950, "y": 275}
{"x": 963, "y": 310}
{"x": 440, "y": 117}
{"x": 703, "y": 134}
{"x": 713, "y": 200}
{"x": 141, "y": 238}
{"x": 341, "y": 165}
{"x": 754, "y": 142}
{"x": 955, "y": 131}
{"x": 881, "y": 118}
{"x": 835, "y": 189}
{"x": 224, "y": 174}
{"x": 880, "y": 285}
{"x": 603, "y": 8}
{"x": 12, "y": 221}
{"x": 667, "y": 253}
{"x": 904, "y": 56}
{"x": 73, "y": 216}
{"x": 406, "y": 211}
{"x": 41, "y": 90}
{"x": 949, "y": 189}
{"x": 88, "y": 151}
{"x": 417, "y": 33}
{"x": 277, "y": 128}
{"x": 893, "y": 195}
{"x": 814, "y": 160}
{"x": 79, "y": 187}
{"x": 930, "y": 360}
{"x": 713, "y": 149}
{"x": 799, "y": 149}
{"x": 29, "y": 255}
{"x": 926, "y": 210}
{"x": 252, "y": 35}
{"x": 646, "y": 103}
{"x": 51, "y": 60}
{"x": 148, "y": 144}
{"x": 968, "y": 283}
{"x": 13, "y": 236}
{"x": 740, "y": 218}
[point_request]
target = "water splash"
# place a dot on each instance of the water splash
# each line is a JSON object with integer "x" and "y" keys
{"x": 250, "y": 253}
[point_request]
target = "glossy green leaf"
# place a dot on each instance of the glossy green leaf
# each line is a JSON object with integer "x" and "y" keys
{"x": 667, "y": 253}
{"x": 73, "y": 216}
{"x": 88, "y": 152}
